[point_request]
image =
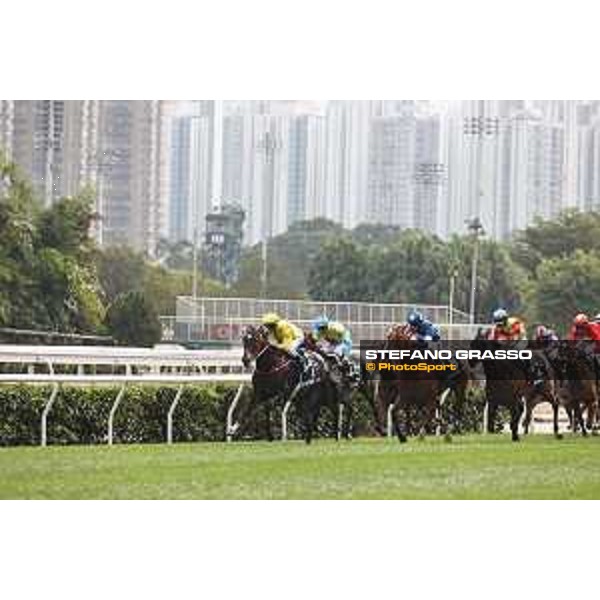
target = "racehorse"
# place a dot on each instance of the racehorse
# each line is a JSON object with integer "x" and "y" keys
{"x": 544, "y": 387}
{"x": 277, "y": 377}
{"x": 406, "y": 390}
{"x": 457, "y": 384}
{"x": 341, "y": 375}
{"x": 506, "y": 383}
{"x": 578, "y": 383}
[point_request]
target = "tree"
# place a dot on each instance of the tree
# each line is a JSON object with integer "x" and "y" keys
{"x": 412, "y": 269}
{"x": 133, "y": 320}
{"x": 558, "y": 237}
{"x": 500, "y": 282}
{"x": 565, "y": 287}
{"x": 289, "y": 257}
{"x": 339, "y": 272}
{"x": 47, "y": 277}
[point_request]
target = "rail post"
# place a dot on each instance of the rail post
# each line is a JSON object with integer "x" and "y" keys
{"x": 170, "y": 414}
{"x": 47, "y": 407}
{"x": 231, "y": 428}
{"x": 284, "y": 414}
{"x": 390, "y": 420}
{"x": 340, "y": 421}
{"x": 113, "y": 410}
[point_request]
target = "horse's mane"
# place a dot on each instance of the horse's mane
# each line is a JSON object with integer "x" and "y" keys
{"x": 399, "y": 332}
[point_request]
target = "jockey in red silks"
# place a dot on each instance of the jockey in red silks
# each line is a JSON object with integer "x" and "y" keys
{"x": 584, "y": 329}
{"x": 506, "y": 328}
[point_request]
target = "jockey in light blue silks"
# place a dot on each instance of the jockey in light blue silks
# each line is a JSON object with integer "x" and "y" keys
{"x": 332, "y": 338}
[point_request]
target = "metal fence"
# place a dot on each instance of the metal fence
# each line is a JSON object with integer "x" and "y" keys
{"x": 223, "y": 319}
{"x": 303, "y": 310}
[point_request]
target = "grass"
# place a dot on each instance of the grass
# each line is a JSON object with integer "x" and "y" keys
{"x": 470, "y": 467}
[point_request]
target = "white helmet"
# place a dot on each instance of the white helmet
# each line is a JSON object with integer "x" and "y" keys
{"x": 500, "y": 315}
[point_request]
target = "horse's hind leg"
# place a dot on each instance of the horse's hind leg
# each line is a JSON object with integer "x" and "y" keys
{"x": 578, "y": 419}
{"x": 268, "y": 425}
{"x": 349, "y": 415}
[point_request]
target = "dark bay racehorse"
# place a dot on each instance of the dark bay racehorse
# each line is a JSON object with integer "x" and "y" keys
{"x": 341, "y": 374}
{"x": 577, "y": 387}
{"x": 409, "y": 392}
{"x": 506, "y": 383}
{"x": 544, "y": 384}
{"x": 381, "y": 396}
{"x": 277, "y": 379}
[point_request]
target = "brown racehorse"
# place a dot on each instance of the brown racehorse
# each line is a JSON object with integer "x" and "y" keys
{"x": 277, "y": 377}
{"x": 409, "y": 390}
{"x": 381, "y": 396}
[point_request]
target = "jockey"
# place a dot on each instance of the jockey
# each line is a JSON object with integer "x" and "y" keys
{"x": 423, "y": 330}
{"x": 507, "y": 328}
{"x": 584, "y": 329}
{"x": 333, "y": 336}
{"x": 545, "y": 334}
{"x": 510, "y": 329}
{"x": 287, "y": 337}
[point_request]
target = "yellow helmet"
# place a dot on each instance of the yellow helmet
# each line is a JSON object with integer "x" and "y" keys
{"x": 271, "y": 319}
{"x": 337, "y": 328}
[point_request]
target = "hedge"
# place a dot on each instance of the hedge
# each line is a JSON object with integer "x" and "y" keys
{"x": 80, "y": 415}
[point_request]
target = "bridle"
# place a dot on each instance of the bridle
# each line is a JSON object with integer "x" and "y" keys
{"x": 284, "y": 364}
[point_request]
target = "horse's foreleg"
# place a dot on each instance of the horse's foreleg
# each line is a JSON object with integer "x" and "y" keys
{"x": 516, "y": 411}
{"x": 312, "y": 417}
{"x": 578, "y": 418}
{"x": 399, "y": 425}
{"x": 491, "y": 415}
{"x": 529, "y": 406}
{"x": 555, "y": 409}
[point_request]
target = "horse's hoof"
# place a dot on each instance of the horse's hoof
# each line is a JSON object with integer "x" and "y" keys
{"x": 402, "y": 440}
{"x": 421, "y": 437}
{"x": 559, "y": 436}
{"x": 448, "y": 438}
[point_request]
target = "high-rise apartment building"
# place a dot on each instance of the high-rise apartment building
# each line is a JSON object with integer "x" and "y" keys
{"x": 118, "y": 147}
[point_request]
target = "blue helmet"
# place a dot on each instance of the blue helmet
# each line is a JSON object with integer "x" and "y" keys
{"x": 415, "y": 318}
{"x": 499, "y": 315}
{"x": 321, "y": 322}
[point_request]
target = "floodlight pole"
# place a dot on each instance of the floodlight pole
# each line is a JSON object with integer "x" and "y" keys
{"x": 476, "y": 228}
{"x": 268, "y": 145}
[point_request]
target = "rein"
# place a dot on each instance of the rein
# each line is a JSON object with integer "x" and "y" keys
{"x": 271, "y": 371}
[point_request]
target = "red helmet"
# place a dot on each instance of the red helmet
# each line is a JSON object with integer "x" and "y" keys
{"x": 581, "y": 319}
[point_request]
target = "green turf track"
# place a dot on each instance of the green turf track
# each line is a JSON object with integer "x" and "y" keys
{"x": 469, "y": 467}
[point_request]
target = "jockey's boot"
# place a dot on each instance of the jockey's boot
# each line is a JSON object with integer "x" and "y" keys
{"x": 306, "y": 367}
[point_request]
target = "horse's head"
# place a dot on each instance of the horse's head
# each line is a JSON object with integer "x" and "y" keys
{"x": 481, "y": 342}
{"x": 254, "y": 341}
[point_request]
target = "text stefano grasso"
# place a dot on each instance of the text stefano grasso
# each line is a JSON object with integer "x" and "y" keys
{"x": 496, "y": 354}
